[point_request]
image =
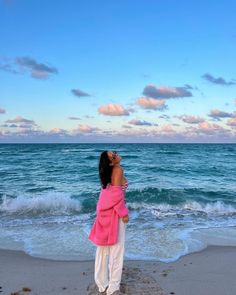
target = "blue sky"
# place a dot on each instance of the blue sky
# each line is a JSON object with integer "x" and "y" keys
{"x": 117, "y": 71}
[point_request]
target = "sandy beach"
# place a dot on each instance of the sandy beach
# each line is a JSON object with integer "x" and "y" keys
{"x": 210, "y": 271}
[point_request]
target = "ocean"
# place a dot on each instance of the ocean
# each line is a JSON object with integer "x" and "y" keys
{"x": 181, "y": 198}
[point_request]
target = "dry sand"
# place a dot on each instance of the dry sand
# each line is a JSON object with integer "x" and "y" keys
{"x": 211, "y": 271}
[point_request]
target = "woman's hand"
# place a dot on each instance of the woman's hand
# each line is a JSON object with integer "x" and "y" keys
{"x": 125, "y": 219}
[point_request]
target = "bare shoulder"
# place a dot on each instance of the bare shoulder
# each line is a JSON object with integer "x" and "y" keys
{"x": 117, "y": 175}
{"x": 118, "y": 170}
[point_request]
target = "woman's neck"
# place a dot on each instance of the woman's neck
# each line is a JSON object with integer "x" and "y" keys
{"x": 116, "y": 165}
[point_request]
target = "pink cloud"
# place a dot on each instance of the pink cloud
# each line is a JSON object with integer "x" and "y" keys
{"x": 167, "y": 128}
{"x": 231, "y": 122}
{"x": 113, "y": 110}
{"x": 190, "y": 119}
{"x": 84, "y": 128}
{"x": 208, "y": 128}
{"x": 151, "y": 103}
{"x": 58, "y": 131}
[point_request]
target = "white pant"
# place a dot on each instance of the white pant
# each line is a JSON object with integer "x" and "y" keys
{"x": 109, "y": 263}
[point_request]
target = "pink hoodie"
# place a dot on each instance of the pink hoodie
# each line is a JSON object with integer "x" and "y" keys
{"x": 110, "y": 207}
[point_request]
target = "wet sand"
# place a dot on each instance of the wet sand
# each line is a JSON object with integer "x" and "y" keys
{"x": 210, "y": 271}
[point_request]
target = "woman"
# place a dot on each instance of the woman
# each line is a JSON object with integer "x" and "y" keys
{"x": 108, "y": 230}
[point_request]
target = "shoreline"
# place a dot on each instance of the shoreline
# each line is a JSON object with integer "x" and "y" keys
{"x": 209, "y": 271}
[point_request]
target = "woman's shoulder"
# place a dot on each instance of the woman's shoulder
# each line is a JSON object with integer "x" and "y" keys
{"x": 117, "y": 169}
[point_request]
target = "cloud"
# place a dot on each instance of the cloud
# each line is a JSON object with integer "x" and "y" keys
{"x": 10, "y": 125}
{"x": 190, "y": 119}
{"x": 74, "y": 118}
{"x": 24, "y": 126}
{"x": 20, "y": 119}
{"x": 164, "y": 116}
{"x": 167, "y": 128}
{"x": 231, "y": 122}
{"x": 58, "y": 131}
{"x": 79, "y": 93}
{"x": 37, "y": 70}
{"x": 139, "y": 123}
{"x": 20, "y": 122}
{"x": 132, "y": 133}
{"x": 151, "y": 103}
{"x": 7, "y": 65}
{"x": 219, "y": 81}
{"x": 166, "y": 92}
{"x": 130, "y": 110}
{"x": 218, "y": 114}
{"x": 20, "y": 64}
{"x": 163, "y": 134}
{"x": 113, "y": 110}
{"x": 187, "y": 86}
{"x": 84, "y": 128}
{"x": 89, "y": 117}
{"x": 2, "y": 111}
{"x": 208, "y": 128}
{"x": 126, "y": 126}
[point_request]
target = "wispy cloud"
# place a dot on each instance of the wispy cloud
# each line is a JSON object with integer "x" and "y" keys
{"x": 231, "y": 122}
{"x": 2, "y": 111}
{"x": 166, "y": 128}
{"x": 79, "y": 93}
{"x": 126, "y": 126}
{"x": 190, "y": 119}
{"x": 74, "y": 118}
{"x": 139, "y": 123}
{"x": 20, "y": 119}
{"x": 20, "y": 122}
{"x": 7, "y": 65}
{"x": 219, "y": 80}
{"x": 21, "y": 64}
{"x": 9, "y": 125}
{"x": 166, "y": 92}
{"x": 218, "y": 114}
{"x": 113, "y": 110}
{"x": 151, "y": 103}
{"x": 58, "y": 131}
{"x": 37, "y": 70}
{"x": 89, "y": 117}
{"x": 84, "y": 128}
{"x": 208, "y": 129}
{"x": 164, "y": 116}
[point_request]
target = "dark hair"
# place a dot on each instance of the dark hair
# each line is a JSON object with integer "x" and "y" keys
{"x": 105, "y": 169}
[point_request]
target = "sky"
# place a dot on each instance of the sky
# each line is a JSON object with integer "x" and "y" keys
{"x": 117, "y": 71}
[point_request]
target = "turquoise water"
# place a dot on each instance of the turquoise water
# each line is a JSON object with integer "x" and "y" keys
{"x": 181, "y": 198}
